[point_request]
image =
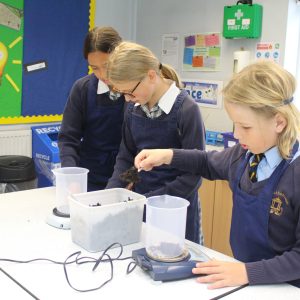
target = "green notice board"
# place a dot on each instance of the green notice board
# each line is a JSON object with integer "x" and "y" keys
{"x": 11, "y": 54}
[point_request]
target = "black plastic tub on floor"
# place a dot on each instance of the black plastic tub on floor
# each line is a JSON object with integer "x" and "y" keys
{"x": 17, "y": 173}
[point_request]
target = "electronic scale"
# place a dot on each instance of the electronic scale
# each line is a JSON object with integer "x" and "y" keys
{"x": 58, "y": 219}
{"x": 174, "y": 269}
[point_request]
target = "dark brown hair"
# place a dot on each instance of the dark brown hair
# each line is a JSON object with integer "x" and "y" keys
{"x": 103, "y": 39}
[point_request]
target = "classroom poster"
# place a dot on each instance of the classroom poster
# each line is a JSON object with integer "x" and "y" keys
{"x": 170, "y": 50}
{"x": 205, "y": 92}
{"x": 41, "y": 56}
{"x": 269, "y": 51}
{"x": 202, "y": 52}
{"x": 11, "y": 54}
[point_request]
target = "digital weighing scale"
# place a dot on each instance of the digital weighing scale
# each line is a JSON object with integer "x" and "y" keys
{"x": 58, "y": 219}
{"x": 176, "y": 269}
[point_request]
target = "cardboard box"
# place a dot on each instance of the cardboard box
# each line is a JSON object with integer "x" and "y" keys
{"x": 101, "y": 218}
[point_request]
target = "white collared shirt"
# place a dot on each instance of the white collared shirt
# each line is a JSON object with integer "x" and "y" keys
{"x": 164, "y": 104}
{"x": 102, "y": 87}
{"x": 167, "y": 100}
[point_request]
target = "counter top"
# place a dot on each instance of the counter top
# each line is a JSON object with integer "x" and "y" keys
{"x": 25, "y": 235}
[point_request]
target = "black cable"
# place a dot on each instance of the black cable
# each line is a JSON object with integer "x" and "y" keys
{"x": 129, "y": 268}
{"x": 104, "y": 253}
{"x": 19, "y": 284}
{"x": 78, "y": 260}
{"x": 230, "y": 292}
{"x": 88, "y": 290}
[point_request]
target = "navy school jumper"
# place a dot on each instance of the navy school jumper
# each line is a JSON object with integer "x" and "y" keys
{"x": 163, "y": 132}
{"x": 91, "y": 131}
{"x": 265, "y": 227}
{"x": 249, "y": 236}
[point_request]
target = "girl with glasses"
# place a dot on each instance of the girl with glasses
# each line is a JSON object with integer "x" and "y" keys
{"x": 162, "y": 115}
{"x": 265, "y": 225}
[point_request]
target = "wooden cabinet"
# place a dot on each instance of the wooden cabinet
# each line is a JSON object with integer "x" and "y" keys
{"x": 216, "y": 204}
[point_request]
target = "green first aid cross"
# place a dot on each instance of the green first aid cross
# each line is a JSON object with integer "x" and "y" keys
{"x": 242, "y": 21}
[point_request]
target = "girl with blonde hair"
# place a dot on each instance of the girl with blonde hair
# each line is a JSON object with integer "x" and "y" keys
{"x": 159, "y": 115}
{"x": 263, "y": 171}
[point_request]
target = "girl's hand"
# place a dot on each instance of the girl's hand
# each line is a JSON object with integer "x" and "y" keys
{"x": 221, "y": 274}
{"x": 148, "y": 159}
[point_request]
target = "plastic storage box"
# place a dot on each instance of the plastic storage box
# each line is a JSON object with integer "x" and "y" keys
{"x": 101, "y": 218}
{"x": 213, "y": 138}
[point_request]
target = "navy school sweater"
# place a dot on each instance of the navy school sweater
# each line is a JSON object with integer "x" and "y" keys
{"x": 284, "y": 229}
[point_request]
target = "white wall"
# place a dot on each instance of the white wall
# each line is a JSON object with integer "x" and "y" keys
{"x": 292, "y": 37}
{"x": 120, "y": 14}
{"x": 292, "y": 53}
{"x": 156, "y": 17}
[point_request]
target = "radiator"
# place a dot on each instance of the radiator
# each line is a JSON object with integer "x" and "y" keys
{"x": 16, "y": 142}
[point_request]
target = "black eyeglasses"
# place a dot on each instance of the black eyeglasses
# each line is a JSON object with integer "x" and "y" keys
{"x": 132, "y": 91}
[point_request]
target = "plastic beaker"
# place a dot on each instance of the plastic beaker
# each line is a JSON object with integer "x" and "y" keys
{"x": 165, "y": 227}
{"x": 69, "y": 180}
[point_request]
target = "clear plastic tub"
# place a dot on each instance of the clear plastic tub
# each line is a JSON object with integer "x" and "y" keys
{"x": 101, "y": 218}
{"x": 69, "y": 180}
{"x": 165, "y": 227}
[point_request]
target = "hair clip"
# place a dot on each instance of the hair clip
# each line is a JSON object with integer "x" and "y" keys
{"x": 287, "y": 101}
{"x": 160, "y": 66}
{"x": 284, "y": 102}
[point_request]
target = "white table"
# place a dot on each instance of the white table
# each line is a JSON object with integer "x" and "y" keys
{"x": 25, "y": 235}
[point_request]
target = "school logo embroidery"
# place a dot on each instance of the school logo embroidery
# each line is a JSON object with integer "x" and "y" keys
{"x": 277, "y": 201}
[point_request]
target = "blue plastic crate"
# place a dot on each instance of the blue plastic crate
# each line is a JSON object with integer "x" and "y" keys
{"x": 213, "y": 138}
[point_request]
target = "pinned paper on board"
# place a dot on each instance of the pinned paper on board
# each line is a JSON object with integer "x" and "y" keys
{"x": 270, "y": 51}
{"x": 10, "y": 17}
{"x": 202, "y": 52}
{"x": 170, "y": 50}
{"x": 205, "y": 92}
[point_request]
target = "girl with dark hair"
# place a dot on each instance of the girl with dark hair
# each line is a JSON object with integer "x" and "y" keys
{"x": 90, "y": 133}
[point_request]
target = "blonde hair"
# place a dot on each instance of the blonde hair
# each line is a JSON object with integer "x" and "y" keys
{"x": 267, "y": 89}
{"x": 131, "y": 62}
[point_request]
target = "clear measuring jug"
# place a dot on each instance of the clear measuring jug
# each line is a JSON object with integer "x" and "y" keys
{"x": 165, "y": 227}
{"x": 69, "y": 180}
